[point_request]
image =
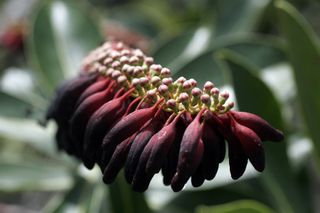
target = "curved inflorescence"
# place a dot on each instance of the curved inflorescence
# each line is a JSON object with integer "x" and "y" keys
{"x": 124, "y": 111}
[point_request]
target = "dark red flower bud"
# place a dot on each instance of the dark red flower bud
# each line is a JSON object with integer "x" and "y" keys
{"x": 237, "y": 158}
{"x": 190, "y": 155}
{"x": 153, "y": 155}
{"x": 261, "y": 127}
{"x": 126, "y": 127}
{"x": 98, "y": 86}
{"x": 140, "y": 142}
{"x": 198, "y": 178}
{"x": 212, "y": 141}
{"x": 118, "y": 160}
{"x": 169, "y": 167}
{"x": 251, "y": 144}
{"x": 99, "y": 124}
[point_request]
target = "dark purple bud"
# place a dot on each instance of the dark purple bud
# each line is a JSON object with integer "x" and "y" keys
{"x": 139, "y": 143}
{"x": 251, "y": 144}
{"x": 127, "y": 126}
{"x": 99, "y": 124}
{"x": 118, "y": 160}
{"x": 261, "y": 127}
{"x": 98, "y": 86}
{"x": 212, "y": 141}
{"x": 190, "y": 155}
{"x": 83, "y": 113}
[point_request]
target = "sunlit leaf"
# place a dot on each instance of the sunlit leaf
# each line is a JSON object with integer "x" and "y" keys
{"x": 30, "y": 175}
{"x": 304, "y": 54}
{"x": 11, "y": 106}
{"x": 62, "y": 34}
{"x": 254, "y": 96}
{"x": 241, "y": 206}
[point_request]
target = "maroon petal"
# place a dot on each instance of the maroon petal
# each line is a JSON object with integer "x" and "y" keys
{"x": 99, "y": 124}
{"x": 251, "y": 144}
{"x": 190, "y": 155}
{"x": 261, "y": 127}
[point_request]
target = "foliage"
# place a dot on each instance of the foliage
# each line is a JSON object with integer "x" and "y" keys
{"x": 265, "y": 51}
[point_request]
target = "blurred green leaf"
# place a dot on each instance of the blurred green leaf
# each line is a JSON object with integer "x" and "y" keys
{"x": 263, "y": 51}
{"x": 241, "y": 206}
{"x": 80, "y": 198}
{"x": 188, "y": 201}
{"x": 31, "y": 175}
{"x": 12, "y": 106}
{"x": 238, "y": 16}
{"x": 123, "y": 199}
{"x": 254, "y": 96}
{"x": 62, "y": 34}
{"x": 304, "y": 54}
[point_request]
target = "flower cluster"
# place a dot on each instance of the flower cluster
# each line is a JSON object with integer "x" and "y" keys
{"x": 125, "y": 111}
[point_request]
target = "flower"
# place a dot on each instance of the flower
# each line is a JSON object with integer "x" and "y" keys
{"x": 125, "y": 111}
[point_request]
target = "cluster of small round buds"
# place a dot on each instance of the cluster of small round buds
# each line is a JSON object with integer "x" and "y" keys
{"x": 135, "y": 82}
{"x": 196, "y": 92}
{"x": 137, "y": 71}
{"x": 205, "y": 98}
{"x": 109, "y": 72}
{"x": 208, "y": 86}
{"x": 224, "y": 95}
{"x": 102, "y": 69}
{"x": 133, "y": 60}
{"x": 149, "y": 61}
{"x": 193, "y": 82}
{"x": 116, "y": 64}
{"x": 155, "y": 80}
{"x": 167, "y": 81}
{"x": 215, "y": 91}
{"x": 165, "y": 72}
{"x": 125, "y": 52}
{"x": 156, "y": 67}
{"x": 107, "y": 61}
{"x": 186, "y": 85}
{"x": 163, "y": 89}
{"x": 122, "y": 79}
{"x": 171, "y": 103}
{"x": 124, "y": 60}
{"x": 181, "y": 80}
{"x": 115, "y": 74}
{"x": 183, "y": 97}
{"x": 114, "y": 55}
{"x": 144, "y": 81}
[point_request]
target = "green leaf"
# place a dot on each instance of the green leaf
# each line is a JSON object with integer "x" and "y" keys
{"x": 254, "y": 96}
{"x": 241, "y": 206}
{"x": 31, "y": 175}
{"x": 238, "y": 16}
{"x": 263, "y": 51}
{"x": 123, "y": 199}
{"x": 304, "y": 54}
{"x": 12, "y": 106}
{"x": 61, "y": 36}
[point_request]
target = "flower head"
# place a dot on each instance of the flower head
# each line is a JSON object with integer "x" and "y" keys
{"x": 124, "y": 111}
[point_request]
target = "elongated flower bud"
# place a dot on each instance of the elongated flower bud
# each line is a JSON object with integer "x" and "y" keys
{"x": 124, "y": 110}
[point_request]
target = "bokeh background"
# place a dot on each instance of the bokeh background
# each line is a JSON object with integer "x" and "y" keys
{"x": 264, "y": 52}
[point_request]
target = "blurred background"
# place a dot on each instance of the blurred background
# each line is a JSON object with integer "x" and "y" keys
{"x": 264, "y": 52}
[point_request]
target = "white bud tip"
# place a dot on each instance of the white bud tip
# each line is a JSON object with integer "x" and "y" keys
{"x": 193, "y": 82}
{"x": 155, "y": 80}
{"x": 115, "y": 74}
{"x": 225, "y": 95}
{"x": 208, "y": 86}
{"x": 183, "y": 97}
{"x": 165, "y": 72}
{"x": 135, "y": 81}
{"x": 196, "y": 91}
{"x": 205, "y": 98}
{"x": 181, "y": 80}
{"x": 167, "y": 81}
{"x": 144, "y": 80}
{"x": 121, "y": 79}
{"x": 215, "y": 91}
{"x": 156, "y": 67}
{"x": 163, "y": 88}
{"x": 171, "y": 103}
